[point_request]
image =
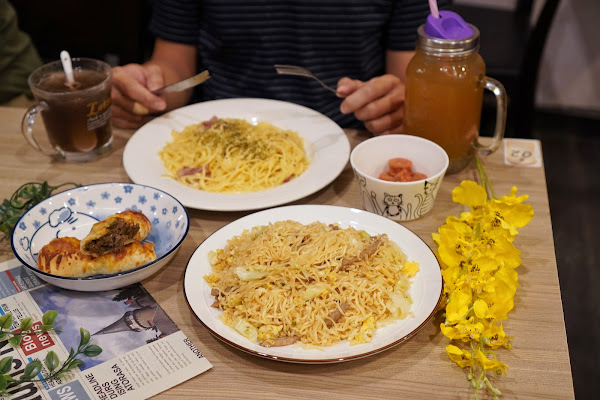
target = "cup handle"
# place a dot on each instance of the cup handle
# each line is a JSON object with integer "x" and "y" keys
{"x": 27, "y": 125}
{"x": 501, "y": 109}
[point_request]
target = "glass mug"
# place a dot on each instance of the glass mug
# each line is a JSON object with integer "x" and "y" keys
{"x": 444, "y": 95}
{"x": 76, "y": 117}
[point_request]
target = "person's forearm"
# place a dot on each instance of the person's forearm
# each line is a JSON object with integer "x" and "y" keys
{"x": 397, "y": 61}
{"x": 177, "y": 61}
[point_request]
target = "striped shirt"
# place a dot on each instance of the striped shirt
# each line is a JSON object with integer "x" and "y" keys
{"x": 240, "y": 41}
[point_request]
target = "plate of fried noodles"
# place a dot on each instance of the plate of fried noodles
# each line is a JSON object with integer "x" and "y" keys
{"x": 313, "y": 284}
{"x": 237, "y": 154}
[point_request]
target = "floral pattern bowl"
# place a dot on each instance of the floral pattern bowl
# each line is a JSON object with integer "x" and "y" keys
{"x": 74, "y": 211}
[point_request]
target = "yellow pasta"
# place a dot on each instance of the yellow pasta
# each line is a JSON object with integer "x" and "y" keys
{"x": 318, "y": 284}
{"x": 232, "y": 155}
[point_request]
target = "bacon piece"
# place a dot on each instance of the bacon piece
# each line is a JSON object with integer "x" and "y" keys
{"x": 277, "y": 342}
{"x": 336, "y": 314}
{"x": 208, "y": 124}
{"x": 366, "y": 253}
{"x": 185, "y": 171}
{"x": 289, "y": 178}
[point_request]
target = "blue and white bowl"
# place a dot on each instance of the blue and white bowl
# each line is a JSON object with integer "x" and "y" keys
{"x": 74, "y": 211}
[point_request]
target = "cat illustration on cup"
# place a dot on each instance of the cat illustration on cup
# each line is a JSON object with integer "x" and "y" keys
{"x": 427, "y": 199}
{"x": 395, "y": 206}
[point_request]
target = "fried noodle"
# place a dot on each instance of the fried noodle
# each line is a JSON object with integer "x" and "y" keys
{"x": 316, "y": 283}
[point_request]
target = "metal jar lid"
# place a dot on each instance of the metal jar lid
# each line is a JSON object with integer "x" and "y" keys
{"x": 447, "y": 47}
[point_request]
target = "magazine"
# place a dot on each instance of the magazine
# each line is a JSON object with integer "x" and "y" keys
{"x": 143, "y": 351}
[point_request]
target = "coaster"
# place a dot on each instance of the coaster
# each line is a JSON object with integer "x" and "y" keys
{"x": 522, "y": 153}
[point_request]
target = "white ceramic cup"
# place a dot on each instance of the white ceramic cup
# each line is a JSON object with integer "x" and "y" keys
{"x": 399, "y": 201}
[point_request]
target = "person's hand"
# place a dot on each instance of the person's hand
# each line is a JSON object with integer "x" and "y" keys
{"x": 379, "y": 102}
{"x": 131, "y": 96}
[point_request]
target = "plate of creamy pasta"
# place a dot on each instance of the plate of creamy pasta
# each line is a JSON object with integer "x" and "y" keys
{"x": 237, "y": 154}
{"x": 313, "y": 284}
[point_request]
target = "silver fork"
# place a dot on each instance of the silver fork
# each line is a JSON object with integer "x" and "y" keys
{"x": 300, "y": 71}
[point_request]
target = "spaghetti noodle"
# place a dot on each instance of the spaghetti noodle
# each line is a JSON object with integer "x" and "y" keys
{"x": 232, "y": 155}
{"x": 316, "y": 283}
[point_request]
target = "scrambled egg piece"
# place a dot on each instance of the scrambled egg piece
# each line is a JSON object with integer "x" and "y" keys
{"x": 269, "y": 331}
{"x": 366, "y": 331}
{"x": 331, "y": 278}
{"x": 233, "y": 301}
{"x": 410, "y": 268}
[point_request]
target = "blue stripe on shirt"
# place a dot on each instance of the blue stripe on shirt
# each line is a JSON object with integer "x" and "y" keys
{"x": 240, "y": 41}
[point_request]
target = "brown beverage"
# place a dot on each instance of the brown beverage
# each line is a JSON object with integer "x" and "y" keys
{"x": 444, "y": 92}
{"x": 443, "y": 103}
{"x": 80, "y": 122}
{"x": 76, "y": 116}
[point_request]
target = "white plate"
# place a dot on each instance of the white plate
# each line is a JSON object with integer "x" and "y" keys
{"x": 425, "y": 290}
{"x": 326, "y": 145}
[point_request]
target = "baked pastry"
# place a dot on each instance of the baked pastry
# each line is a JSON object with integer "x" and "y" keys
{"x": 63, "y": 257}
{"x": 114, "y": 232}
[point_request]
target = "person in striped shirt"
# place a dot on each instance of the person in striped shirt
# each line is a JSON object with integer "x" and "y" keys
{"x": 362, "y": 47}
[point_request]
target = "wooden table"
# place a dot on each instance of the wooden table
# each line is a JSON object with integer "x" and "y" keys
{"x": 418, "y": 369}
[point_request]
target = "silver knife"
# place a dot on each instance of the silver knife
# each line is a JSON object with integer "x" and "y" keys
{"x": 184, "y": 84}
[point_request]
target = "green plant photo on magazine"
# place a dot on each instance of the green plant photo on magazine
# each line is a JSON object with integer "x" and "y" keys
{"x": 32, "y": 371}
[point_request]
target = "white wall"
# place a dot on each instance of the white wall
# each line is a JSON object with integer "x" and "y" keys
{"x": 569, "y": 76}
{"x": 570, "y": 69}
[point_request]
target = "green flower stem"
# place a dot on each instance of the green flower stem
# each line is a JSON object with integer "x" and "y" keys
{"x": 492, "y": 389}
{"x": 485, "y": 179}
{"x": 468, "y": 312}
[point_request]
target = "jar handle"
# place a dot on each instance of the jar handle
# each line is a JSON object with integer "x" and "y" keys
{"x": 27, "y": 125}
{"x": 501, "y": 109}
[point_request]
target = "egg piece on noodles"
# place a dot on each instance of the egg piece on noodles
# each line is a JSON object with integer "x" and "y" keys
{"x": 316, "y": 283}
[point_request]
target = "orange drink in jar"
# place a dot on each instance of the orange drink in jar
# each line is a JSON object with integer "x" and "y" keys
{"x": 444, "y": 94}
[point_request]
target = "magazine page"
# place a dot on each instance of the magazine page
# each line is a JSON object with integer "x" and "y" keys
{"x": 143, "y": 351}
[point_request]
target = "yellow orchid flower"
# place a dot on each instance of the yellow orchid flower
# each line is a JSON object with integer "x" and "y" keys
{"x": 483, "y": 266}
{"x": 494, "y": 333}
{"x": 483, "y": 285}
{"x": 465, "y": 330}
{"x": 501, "y": 300}
{"x": 451, "y": 275}
{"x": 458, "y": 305}
{"x": 501, "y": 249}
{"x": 481, "y": 309}
{"x": 490, "y": 364}
{"x": 470, "y": 194}
{"x": 512, "y": 211}
{"x": 478, "y": 263}
{"x": 451, "y": 247}
{"x": 459, "y": 225}
{"x": 461, "y": 357}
